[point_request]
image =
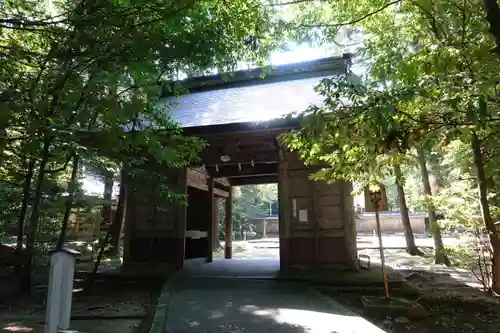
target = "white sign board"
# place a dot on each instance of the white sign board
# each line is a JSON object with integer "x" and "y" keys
{"x": 303, "y": 215}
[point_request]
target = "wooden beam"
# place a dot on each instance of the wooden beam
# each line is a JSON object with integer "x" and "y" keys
{"x": 218, "y": 193}
{"x": 213, "y": 158}
{"x": 255, "y": 180}
{"x": 210, "y": 217}
{"x": 222, "y": 181}
{"x": 228, "y": 227}
{"x": 199, "y": 180}
{"x": 231, "y": 171}
{"x": 281, "y": 125}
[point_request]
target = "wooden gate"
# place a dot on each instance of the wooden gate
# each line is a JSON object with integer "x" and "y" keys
{"x": 317, "y": 227}
{"x": 154, "y": 227}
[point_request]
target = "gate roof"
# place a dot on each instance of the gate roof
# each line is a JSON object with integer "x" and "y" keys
{"x": 241, "y": 116}
{"x": 250, "y": 96}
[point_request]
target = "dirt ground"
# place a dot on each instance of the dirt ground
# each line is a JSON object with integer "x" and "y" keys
{"x": 108, "y": 307}
{"x": 444, "y": 318}
{"x": 396, "y": 258}
{"x": 115, "y": 306}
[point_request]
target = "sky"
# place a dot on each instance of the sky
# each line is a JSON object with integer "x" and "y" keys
{"x": 298, "y": 53}
{"x": 301, "y": 53}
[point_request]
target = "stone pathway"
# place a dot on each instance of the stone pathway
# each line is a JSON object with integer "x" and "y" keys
{"x": 232, "y": 305}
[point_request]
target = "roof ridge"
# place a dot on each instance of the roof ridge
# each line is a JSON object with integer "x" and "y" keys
{"x": 261, "y": 75}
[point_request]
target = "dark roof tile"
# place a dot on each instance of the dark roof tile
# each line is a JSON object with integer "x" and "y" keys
{"x": 244, "y": 104}
{"x": 246, "y": 98}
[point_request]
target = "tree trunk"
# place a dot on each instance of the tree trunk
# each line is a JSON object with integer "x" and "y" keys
{"x": 485, "y": 211}
{"x": 69, "y": 203}
{"x": 3, "y": 143}
{"x": 107, "y": 196}
{"x": 436, "y": 177}
{"x": 5, "y": 97}
{"x": 35, "y": 214}
{"x": 92, "y": 275}
{"x": 119, "y": 220}
{"x": 22, "y": 215}
{"x": 440, "y": 256}
{"x": 411, "y": 247}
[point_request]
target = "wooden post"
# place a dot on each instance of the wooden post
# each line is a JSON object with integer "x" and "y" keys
{"x": 228, "y": 226}
{"x": 129, "y": 219}
{"x": 181, "y": 218}
{"x": 215, "y": 239}
{"x": 285, "y": 211}
{"x": 376, "y": 197}
{"x": 210, "y": 217}
{"x": 347, "y": 204}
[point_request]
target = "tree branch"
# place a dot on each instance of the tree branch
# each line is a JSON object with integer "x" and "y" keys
{"x": 292, "y": 3}
{"x": 434, "y": 24}
{"x": 164, "y": 16}
{"x": 23, "y": 22}
{"x": 326, "y": 25}
{"x": 70, "y": 157}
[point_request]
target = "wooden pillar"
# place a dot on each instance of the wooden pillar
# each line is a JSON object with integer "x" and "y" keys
{"x": 347, "y": 204}
{"x": 215, "y": 239}
{"x": 181, "y": 219}
{"x": 285, "y": 211}
{"x": 210, "y": 217}
{"x": 129, "y": 227}
{"x": 228, "y": 226}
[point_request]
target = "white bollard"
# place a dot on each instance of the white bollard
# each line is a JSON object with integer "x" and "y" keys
{"x": 62, "y": 270}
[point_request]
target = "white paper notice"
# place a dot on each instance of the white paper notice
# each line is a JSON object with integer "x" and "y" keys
{"x": 303, "y": 215}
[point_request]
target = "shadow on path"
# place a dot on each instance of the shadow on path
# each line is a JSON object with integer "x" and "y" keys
{"x": 235, "y": 305}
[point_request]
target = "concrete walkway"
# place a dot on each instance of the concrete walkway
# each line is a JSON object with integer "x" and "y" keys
{"x": 238, "y": 305}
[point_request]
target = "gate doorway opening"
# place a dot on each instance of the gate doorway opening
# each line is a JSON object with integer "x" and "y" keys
{"x": 255, "y": 223}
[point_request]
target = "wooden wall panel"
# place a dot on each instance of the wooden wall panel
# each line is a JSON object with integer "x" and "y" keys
{"x": 328, "y": 190}
{"x": 331, "y": 222}
{"x": 154, "y": 227}
{"x": 302, "y": 183}
{"x": 156, "y": 250}
{"x": 330, "y": 245}
{"x": 302, "y": 250}
{"x": 323, "y": 238}
{"x": 328, "y": 199}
